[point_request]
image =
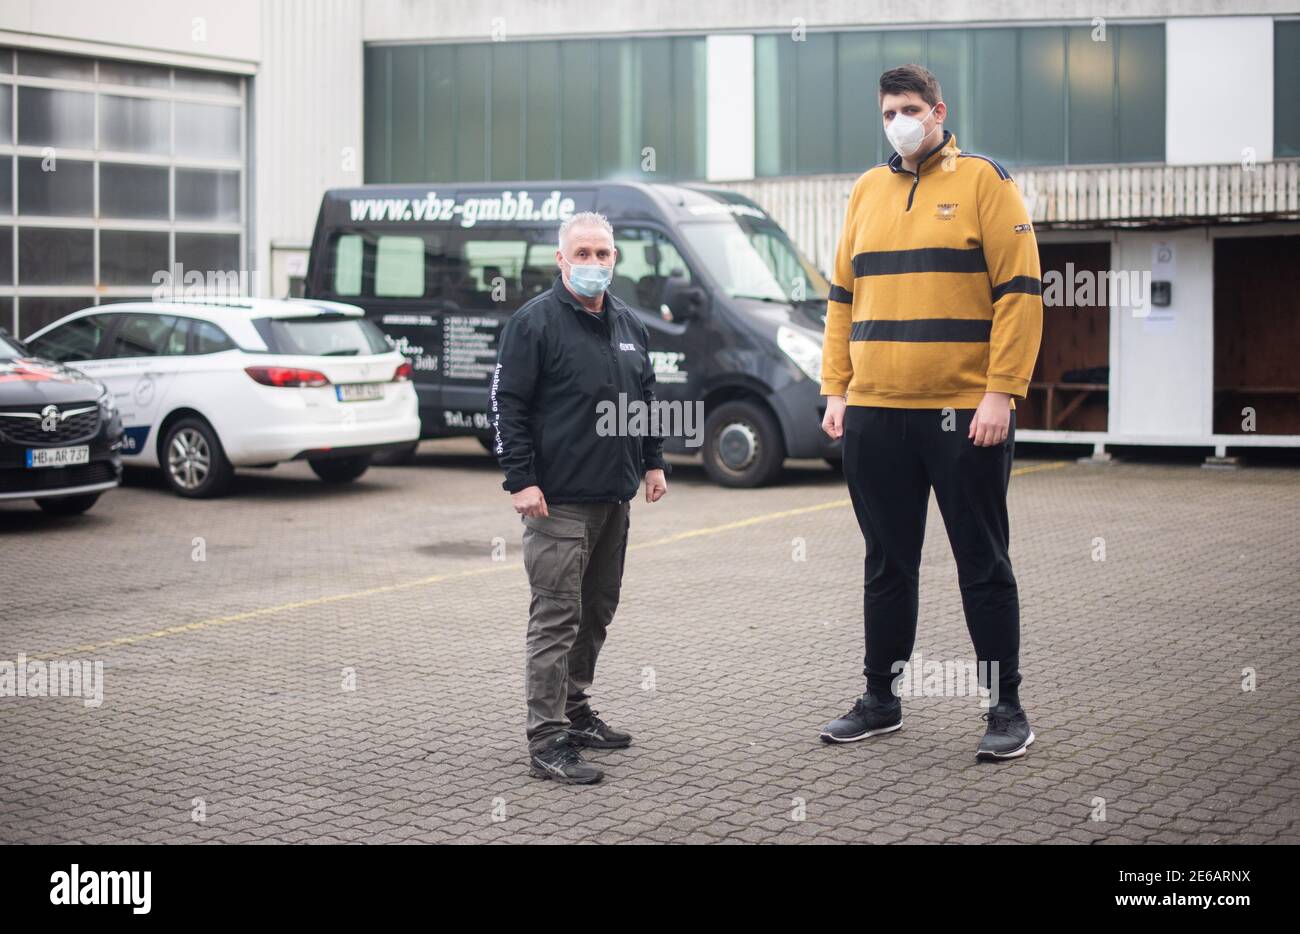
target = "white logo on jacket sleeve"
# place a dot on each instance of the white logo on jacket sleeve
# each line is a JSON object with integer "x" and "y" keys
{"x": 623, "y": 345}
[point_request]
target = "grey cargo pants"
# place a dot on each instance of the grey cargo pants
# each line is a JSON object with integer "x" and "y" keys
{"x": 574, "y": 560}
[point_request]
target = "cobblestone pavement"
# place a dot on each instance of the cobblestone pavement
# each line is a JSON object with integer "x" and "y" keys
{"x": 224, "y": 678}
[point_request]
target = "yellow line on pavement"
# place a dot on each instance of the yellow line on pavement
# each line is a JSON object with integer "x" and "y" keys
{"x": 262, "y": 612}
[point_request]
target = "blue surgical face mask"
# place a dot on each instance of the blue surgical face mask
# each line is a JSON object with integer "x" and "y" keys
{"x": 590, "y": 281}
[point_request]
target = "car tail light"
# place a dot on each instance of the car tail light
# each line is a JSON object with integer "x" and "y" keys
{"x": 286, "y": 376}
{"x": 403, "y": 372}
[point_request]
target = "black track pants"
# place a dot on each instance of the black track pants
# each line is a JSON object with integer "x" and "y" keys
{"x": 892, "y": 458}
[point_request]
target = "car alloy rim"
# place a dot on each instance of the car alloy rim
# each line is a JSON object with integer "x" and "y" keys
{"x": 189, "y": 458}
{"x": 737, "y": 446}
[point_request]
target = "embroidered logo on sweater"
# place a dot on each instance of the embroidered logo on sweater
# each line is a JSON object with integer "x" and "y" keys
{"x": 946, "y": 212}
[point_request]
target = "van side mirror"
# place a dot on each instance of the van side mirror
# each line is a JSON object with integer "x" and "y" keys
{"x": 682, "y": 300}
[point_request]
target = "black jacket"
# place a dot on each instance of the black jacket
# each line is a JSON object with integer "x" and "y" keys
{"x": 559, "y": 375}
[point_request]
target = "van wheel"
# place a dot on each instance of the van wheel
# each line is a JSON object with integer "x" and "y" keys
{"x": 193, "y": 462}
{"x": 743, "y": 445}
{"x": 340, "y": 469}
{"x": 67, "y": 505}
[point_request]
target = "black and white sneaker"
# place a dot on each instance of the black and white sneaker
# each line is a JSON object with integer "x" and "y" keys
{"x": 869, "y": 717}
{"x": 1008, "y": 735}
{"x": 589, "y": 730}
{"x": 559, "y": 761}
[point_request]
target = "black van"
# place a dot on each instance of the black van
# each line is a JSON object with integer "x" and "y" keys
{"x": 735, "y": 313}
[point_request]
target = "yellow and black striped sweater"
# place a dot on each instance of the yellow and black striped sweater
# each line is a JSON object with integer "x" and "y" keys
{"x": 936, "y": 296}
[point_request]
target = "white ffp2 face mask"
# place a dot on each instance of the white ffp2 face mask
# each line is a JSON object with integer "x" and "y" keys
{"x": 906, "y": 134}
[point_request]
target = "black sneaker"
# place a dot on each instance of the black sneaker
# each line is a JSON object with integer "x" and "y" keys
{"x": 559, "y": 760}
{"x": 589, "y": 730}
{"x": 1008, "y": 735}
{"x": 869, "y": 717}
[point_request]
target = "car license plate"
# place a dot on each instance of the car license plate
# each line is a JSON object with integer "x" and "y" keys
{"x": 359, "y": 392}
{"x": 58, "y": 457}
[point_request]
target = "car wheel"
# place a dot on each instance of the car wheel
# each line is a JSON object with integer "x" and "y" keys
{"x": 67, "y": 505}
{"x": 340, "y": 469}
{"x": 193, "y": 461}
{"x": 743, "y": 445}
{"x": 396, "y": 457}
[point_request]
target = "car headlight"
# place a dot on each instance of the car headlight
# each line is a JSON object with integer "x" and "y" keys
{"x": 805, "y": 352}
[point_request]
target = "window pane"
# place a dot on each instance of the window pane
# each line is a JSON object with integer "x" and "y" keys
{"x": 507, "y": 112}
{"x": 134, "y": 124}
{"x": 440, "y": 83}
{"x": 210, "y": 131}
{"x": 68, "y": 191}
{"x": 56, "y": 118}
{"x": 1141, "y": 93}
{"x": 399, "y": 267}
{"x": 857, "y": 123}
{"x": 1286, "y": 74}
{"x": 208, "y": 252}
{"x": 618, "y": 64}
{"x": 6, "y": 114}
{"x": 207, "y": 195}
{"x": 134, "y": 191}
{"x": 770, "y": 109}
{"x": 407, "y": 130}
{"x": 690, "y": 82}
{"x": 347, "y": 264}
{"x": 471, "y": 126}
{"x": 814, "y": 113}
{"x": 994, "y": 115}
{"x": 949, "y": 57}
{"x": 6, "y": 185}
{"x": 76, "y": 340}
{"x": 1042, "y": 96}
{"x": 6, "y": 260}
{"x": 46, "y": 65}
{"x": 541, "y": 155}
{"x": 378, "y": 117}
{"x": 207, "y": 82}
{"x": 578, "y": 141}
{"x": 145, "y": 336}
{"x": 54, "y": 256}
{"x": 1092, "y": 98}
{"x": 208, "y": 338}
{"x": 134, "y": 75}
{"x": 131, "y": 257}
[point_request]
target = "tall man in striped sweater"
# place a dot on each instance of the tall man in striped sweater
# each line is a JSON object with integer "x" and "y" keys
{"x": 932, "y": 330}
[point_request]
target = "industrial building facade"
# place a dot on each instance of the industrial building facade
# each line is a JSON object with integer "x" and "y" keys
{"x": 1157, "y": 143}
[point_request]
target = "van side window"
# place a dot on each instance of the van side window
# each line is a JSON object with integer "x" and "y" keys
{"x": 348, "y": 254}
{"x": 646, "y": 260}
{"x": 399, "y": 267}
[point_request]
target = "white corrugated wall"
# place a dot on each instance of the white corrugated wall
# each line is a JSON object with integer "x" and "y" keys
{"x": 307, "y": 100}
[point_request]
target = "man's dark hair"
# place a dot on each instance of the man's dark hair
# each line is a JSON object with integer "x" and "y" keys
{"x": 914, "y": 78}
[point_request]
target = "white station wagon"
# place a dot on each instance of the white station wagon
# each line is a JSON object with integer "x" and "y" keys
{"x": 205, "y": 387}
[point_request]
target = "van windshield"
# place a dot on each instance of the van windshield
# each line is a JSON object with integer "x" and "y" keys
{"x": 755, "y": 260}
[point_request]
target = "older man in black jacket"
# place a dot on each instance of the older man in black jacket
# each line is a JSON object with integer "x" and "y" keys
{"x": 567, "y": 359}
